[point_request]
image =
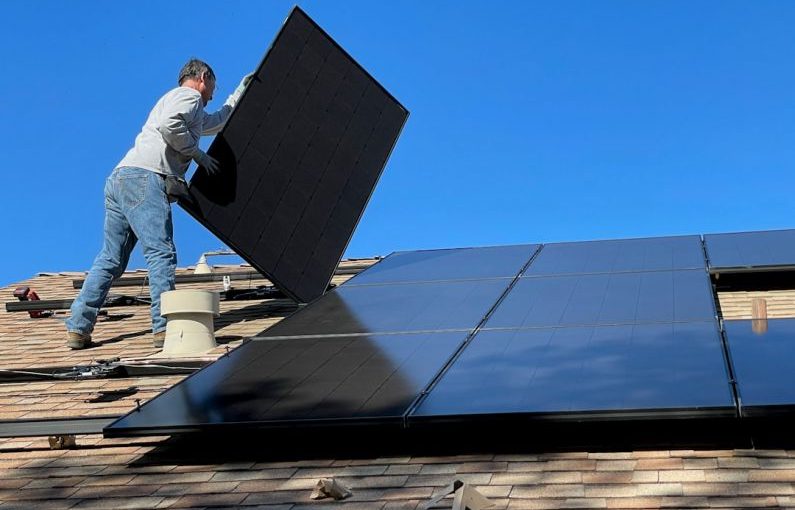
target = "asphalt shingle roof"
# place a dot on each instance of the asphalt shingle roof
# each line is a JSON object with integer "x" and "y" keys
{"x": 163, "y": 472}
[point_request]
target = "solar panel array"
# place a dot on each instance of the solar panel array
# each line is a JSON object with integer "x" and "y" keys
{"x": 300, "y": 157}
{"x": 598, "y": 330}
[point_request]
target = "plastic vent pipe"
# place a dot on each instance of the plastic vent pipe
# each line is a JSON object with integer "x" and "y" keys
{"x": 190, "y": 316}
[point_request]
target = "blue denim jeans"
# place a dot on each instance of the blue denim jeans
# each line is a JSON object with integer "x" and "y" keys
{"x": 136, "y": 209}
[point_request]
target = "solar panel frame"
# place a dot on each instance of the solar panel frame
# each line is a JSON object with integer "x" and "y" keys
{"x": 285, "y": 127}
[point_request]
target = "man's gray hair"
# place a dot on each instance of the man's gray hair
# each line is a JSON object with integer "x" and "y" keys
{"x": 195, "y": 69}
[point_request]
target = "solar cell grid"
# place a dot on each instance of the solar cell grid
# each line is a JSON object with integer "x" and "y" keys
{"x": 449, "y": 264}
{"x": 648, "y": 254}
{"x": 617, "y": 298}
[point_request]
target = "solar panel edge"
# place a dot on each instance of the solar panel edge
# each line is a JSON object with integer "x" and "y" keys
{"x": 345, "y": 52}
{"x": 369, "y": 196}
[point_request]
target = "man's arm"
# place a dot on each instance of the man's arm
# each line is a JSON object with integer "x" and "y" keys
{"x": 180, "y": 115}
{"x": 181, "y": 128}
{"x": 214, "y": 122}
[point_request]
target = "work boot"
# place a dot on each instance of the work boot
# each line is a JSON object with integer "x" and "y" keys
{"x": 75, "y": 340}
{"x": 159, "y": 339}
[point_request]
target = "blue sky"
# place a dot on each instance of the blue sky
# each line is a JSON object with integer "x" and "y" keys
{"x": 530, "y": 121}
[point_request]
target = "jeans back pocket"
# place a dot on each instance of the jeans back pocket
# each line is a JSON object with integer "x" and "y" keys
{"x": 132, "y": 190}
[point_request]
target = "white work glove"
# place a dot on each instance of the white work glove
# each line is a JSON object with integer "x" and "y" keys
{"x": 206, "y": 161}
{"x": 235, "y": 96}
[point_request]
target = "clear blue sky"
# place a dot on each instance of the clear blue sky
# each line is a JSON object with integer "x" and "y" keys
{"x": 530, "y": 121}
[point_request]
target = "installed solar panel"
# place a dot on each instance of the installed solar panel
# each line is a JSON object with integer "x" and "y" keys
{"x": 749, "y": 250}
{"x": 268, "y": 382}
{"x": 650, "y": 368}
{"x": 300, "y": 157}
{"x": 393, "y": 308}
{"x": 650, "y": 254}
{"x": 597, "y": 337}
{"x": 618, "y": 298}
{"x": 453, "y": 264}
{"x": 764, "y": 364}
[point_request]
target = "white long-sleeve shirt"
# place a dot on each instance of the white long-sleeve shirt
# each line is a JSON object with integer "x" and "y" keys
{"x": 170, "y": 136}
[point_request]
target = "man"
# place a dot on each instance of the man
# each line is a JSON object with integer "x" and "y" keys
{"x": 137, "y": 207}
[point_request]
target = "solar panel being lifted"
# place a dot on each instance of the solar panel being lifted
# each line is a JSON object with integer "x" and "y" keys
{"x": 300, "y": 157}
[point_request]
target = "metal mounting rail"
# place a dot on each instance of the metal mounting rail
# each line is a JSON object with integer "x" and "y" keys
{"x": 133, "y": 281}
{"x": 55, "y": 426}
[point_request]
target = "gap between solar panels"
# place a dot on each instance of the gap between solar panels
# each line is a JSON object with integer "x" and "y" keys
{"x": 300, "y": 157}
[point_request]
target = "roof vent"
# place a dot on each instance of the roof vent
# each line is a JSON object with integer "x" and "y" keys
{"x": 190, "y": 321}
{"x": 202, "y": 267}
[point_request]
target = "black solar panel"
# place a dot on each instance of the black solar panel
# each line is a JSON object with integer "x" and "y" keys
{"x": 342, "y": 379}
{"x": 452, "y": 264}
{"x": 763, "y": 356}
{"x": 631, "y": 332}
{"x": 618, "y": 298}
{"x": 751, "y": 250}
{"x": 649, "y": 254}
{"x": 650, "y": 368}
{"x": 394, "y": 308}
{"x": 300, "y": 156}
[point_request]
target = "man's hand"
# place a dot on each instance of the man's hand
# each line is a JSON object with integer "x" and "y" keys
{"x": 235, "y": 96}
{"x": 205, "y": 160}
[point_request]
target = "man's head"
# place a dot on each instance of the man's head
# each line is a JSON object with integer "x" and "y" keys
{"x": 198, "y": 76}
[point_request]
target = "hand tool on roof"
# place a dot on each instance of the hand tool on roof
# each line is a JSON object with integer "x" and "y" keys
{"x": 38, "y": 308}
{"x": 28, "y": 294}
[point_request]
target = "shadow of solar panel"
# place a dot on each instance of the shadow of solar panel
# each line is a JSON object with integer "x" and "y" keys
{"x": 300, "y": 157}
{"x": 763, "y": 355}
{"x": 651, "y": 369}
{"x": 620, "y": 255}
{"x": 272, "y": 382}
{"x": 450, "y": 264}
{"x": 749, "y": 250}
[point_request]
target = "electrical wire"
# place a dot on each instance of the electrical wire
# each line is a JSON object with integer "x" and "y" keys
{"x": 74, "y": 373}
{"x": 25, "y": 372}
